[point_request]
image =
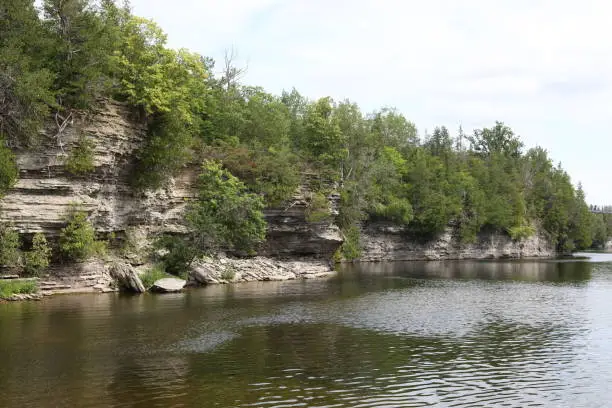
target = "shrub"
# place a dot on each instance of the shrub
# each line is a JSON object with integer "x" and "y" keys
{"x": 10, "y": 255}
{"x": 37, "y": 259}
{"x": 177, "y": 253}
{"x": 228, "y": 274}
{"x": 521, "y": 232}
{"x": 351, "y": 247}
{"x": 8, "y": 168}
{"x": 77, "y": 240}
{"x": 153, "y": 274}
{"x": 81, "y": 158}
{"x": 318, "y": 208}
{"x": 11, "y": 287}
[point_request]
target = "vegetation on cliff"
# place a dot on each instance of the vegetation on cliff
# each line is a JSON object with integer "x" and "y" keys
{"x": 73, "y": 53}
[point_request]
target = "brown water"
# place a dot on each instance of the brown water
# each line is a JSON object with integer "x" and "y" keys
{"x": 448, "y": 334}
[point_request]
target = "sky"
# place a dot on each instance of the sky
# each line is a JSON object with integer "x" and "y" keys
{"x": 543, "y": 67}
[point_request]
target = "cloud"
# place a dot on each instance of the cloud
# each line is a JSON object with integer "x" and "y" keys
{"x": 542, "y": 66}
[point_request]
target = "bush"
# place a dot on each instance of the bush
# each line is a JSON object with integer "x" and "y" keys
{"x": 153, "y": 274}
{"x": 81, "y": 158}
{"x": 11, "y": 287}
{"x": 318, "y": 208}
{"x": 177, "y": 254}
{"x": 351, "y": 247}
{"x": 37, "y": 259}
{"x": 229, "y": 274}
{"x": 8, "y": 168}
{"x": 10, "y": 255}
{"x": 77, "y": 240}
{"x": 521, "y": 232}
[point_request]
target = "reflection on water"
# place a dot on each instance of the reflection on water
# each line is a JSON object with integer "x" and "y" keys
{"x": 552, "y": 271}
{"x": 391, "y": 334}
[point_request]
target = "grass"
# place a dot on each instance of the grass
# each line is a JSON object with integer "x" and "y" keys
{"x": 9, "y": 287}
{"x": 228, "y": 274}
{"x": 155, "y": 273}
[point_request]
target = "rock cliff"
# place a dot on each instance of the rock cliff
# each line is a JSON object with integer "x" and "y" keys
{"x": 385, "y": 242}
{"x": 45, "y": 190}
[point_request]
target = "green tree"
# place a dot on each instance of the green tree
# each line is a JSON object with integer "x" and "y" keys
{"x": 10, "y": 255}
{"x": 25, "y": 82}
{"x": 81, "y": 51}
{"x": 225, "y": 215}
{"x": 77, "y": 241}
{"x": 8, "y": 169}
{"x": 38, "y": 258}
{"x": 498, "y": 139}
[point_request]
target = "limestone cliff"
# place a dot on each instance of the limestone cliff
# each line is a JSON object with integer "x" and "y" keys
{"x": 45, "y": 190}
{"x": 385, "y": 242}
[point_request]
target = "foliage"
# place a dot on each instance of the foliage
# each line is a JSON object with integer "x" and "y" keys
{"x": 156, "y": 272}
{"x": 77, "y": 240}
{"x": 10, "y": 255}
{"x": 81, "y": 158}
{"x": 8, "y": 169}
{"x": 166, "y": 151}
{"x": 37, "y": 259}
{"x": 318, "y": 208}
{"x": 228, "y": 274}
{"x": 259, "y": 148}
{"x": 521, "y": 232}
{"x": 25, "y": 82}
{"x": 9, "y": 287}
{"x": 176, "y": 253}
{"x": 351, "y": 247}
{"x": 224, "y": 215}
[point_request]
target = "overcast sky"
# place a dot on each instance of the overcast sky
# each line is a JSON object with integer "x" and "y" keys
{"x": 544, "y": 67}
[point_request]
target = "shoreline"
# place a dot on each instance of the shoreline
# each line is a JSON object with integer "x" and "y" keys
{"x": 93, "y": 277}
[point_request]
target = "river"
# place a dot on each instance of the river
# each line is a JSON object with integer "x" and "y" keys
{"x": 447, "y": 334}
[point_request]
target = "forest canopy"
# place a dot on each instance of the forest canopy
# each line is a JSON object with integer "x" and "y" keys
{"x": 74, "y": 54}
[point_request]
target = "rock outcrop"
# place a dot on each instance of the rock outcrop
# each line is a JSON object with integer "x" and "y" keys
{"x": 386, "y": 242}
{"x": 83, "y": 277}
{"x": 225, "y": 270}
{"x": 289, "y": 234}
{"x": 45, "y": 190}
{"x": 127, "y": 277}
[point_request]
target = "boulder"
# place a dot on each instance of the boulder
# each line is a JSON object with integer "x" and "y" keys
{"x": 202, "y": 274}
{"x": 127, "y": 277}
{"x": 168, "y": 285}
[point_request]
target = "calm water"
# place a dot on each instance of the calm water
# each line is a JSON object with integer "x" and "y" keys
{"x": 453, "y": 334}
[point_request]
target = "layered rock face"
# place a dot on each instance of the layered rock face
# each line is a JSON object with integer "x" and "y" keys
{"x": 386, "y": 242}
{"x": 291, "y": 235}
{"x": 46, "y": 191}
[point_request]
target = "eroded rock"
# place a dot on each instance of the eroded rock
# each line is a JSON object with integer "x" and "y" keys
{"x": 127, "y": 277}
{"x": 225, "y": 269}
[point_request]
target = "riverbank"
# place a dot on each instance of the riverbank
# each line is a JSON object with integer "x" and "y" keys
{"x": 95, "y": 276}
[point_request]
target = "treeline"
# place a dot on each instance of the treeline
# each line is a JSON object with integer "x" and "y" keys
{"x": 73, "y": 54}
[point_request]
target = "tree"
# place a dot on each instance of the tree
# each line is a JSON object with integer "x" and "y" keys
{"x": 25, "y": 82}
{"x": 323, "y": 139}
{"x": 8, "y": 168}
{"x": 37, "y": 259}
{"x": 225, "y": 215}
{"x": 81, "y": 52}
{"x": 393, "y": 129}
{"x": 10, "y": 255}
{"x": 77, "y": 241}
{"x": 498, "y": 139}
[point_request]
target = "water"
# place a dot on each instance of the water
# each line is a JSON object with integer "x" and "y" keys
{"x": 447, "y": 334}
